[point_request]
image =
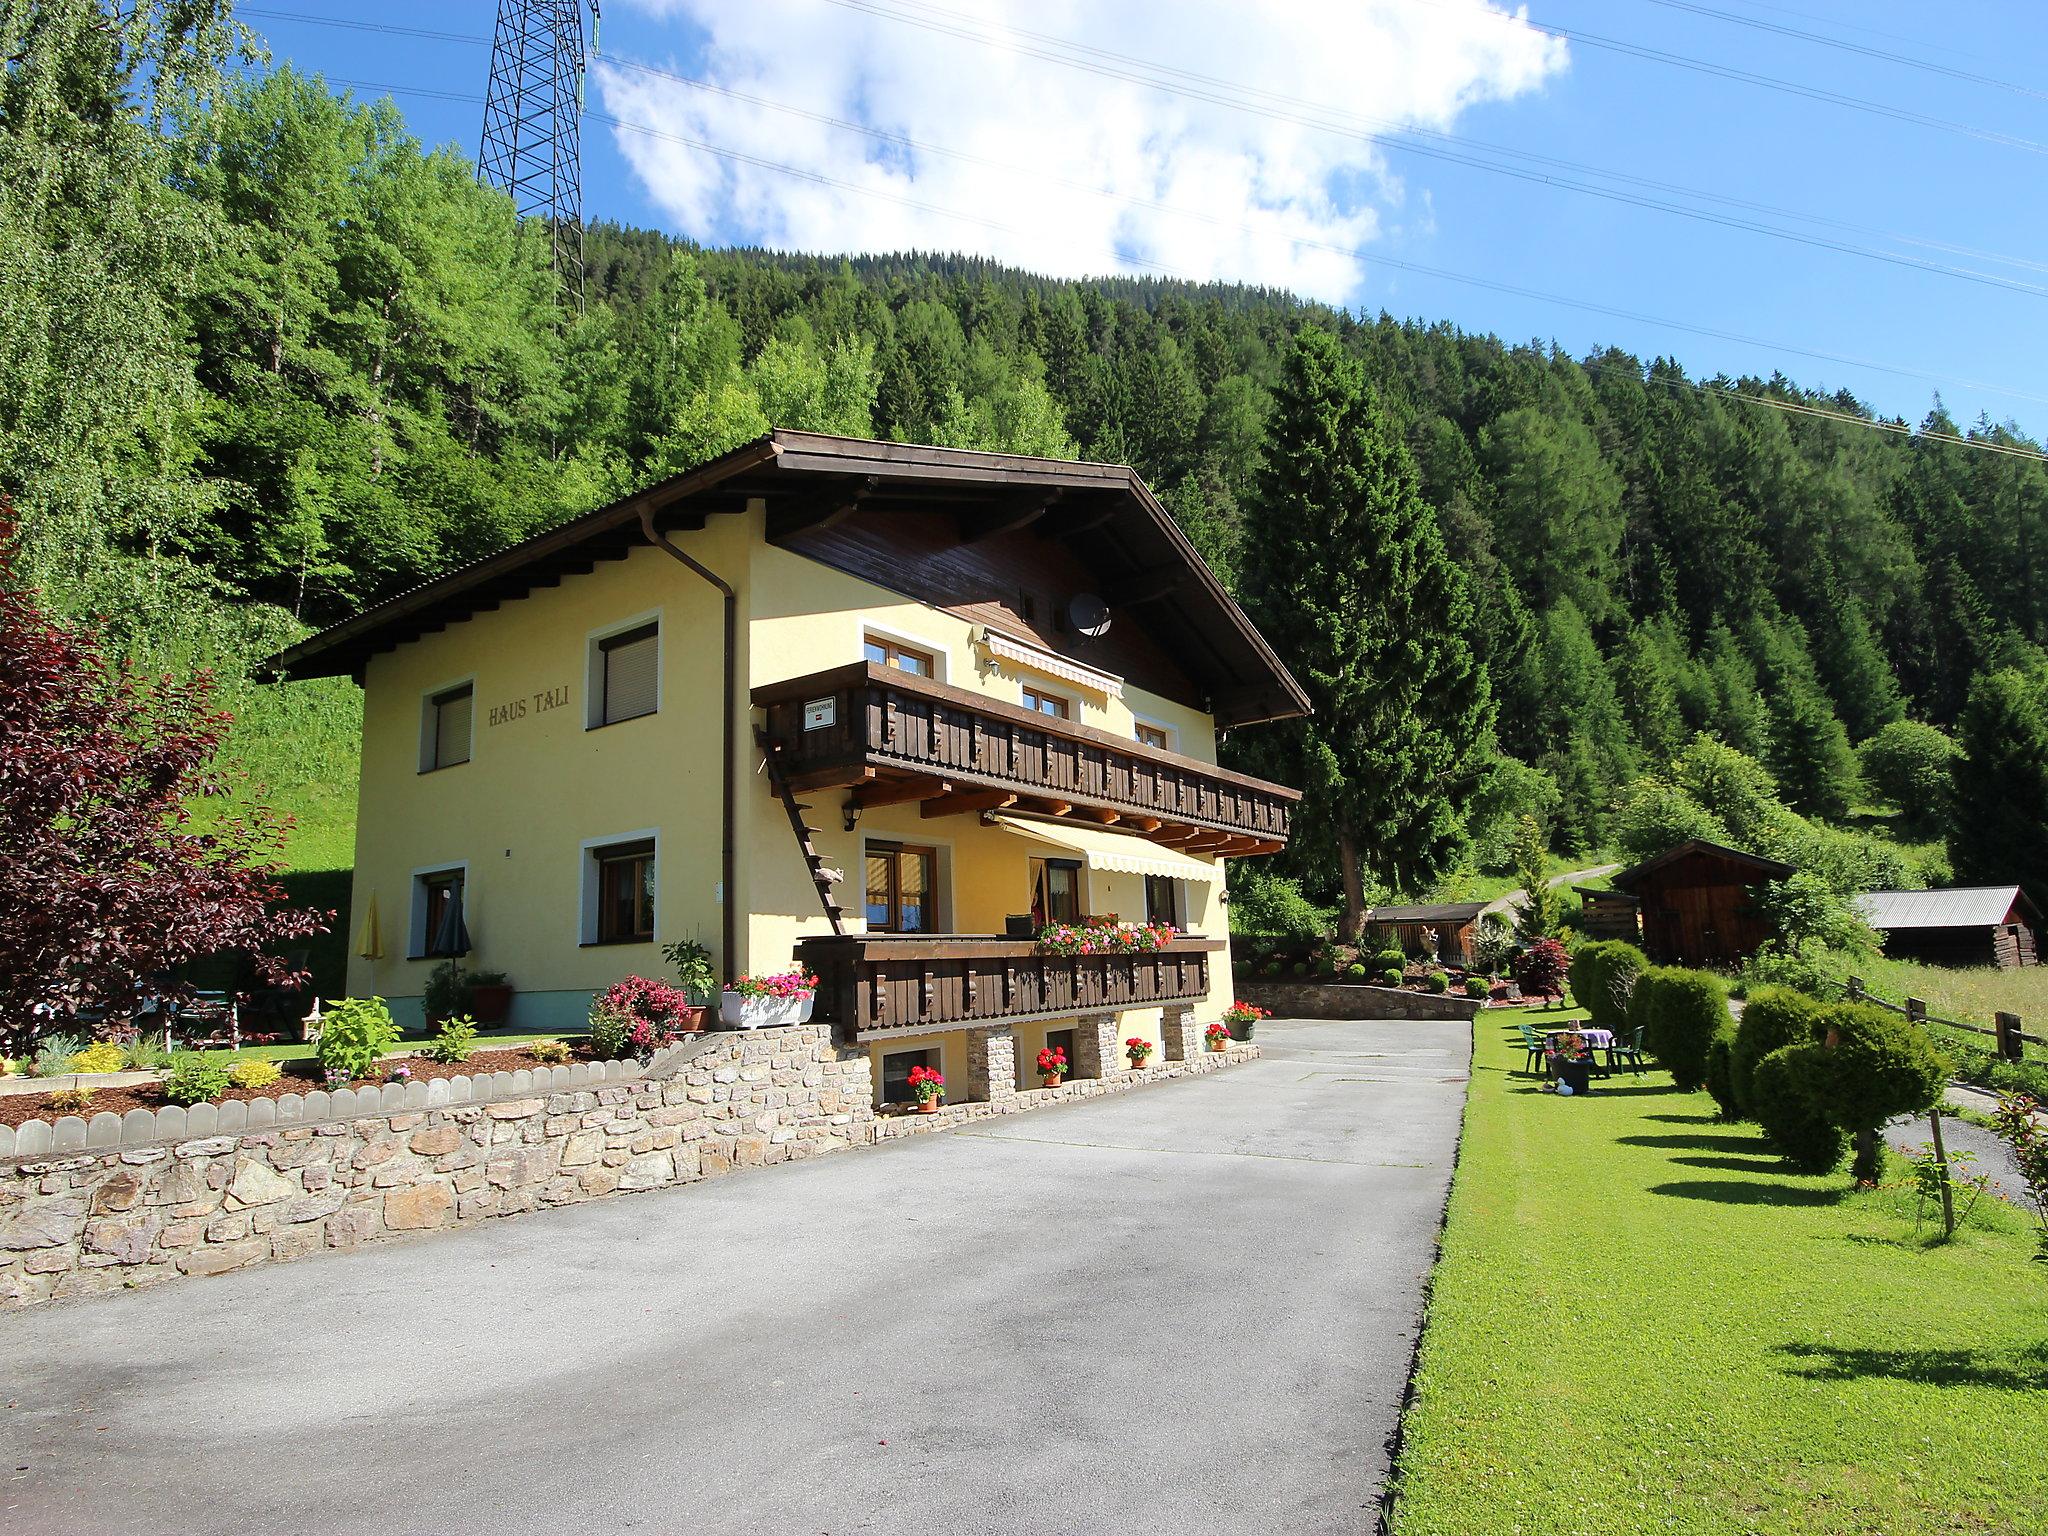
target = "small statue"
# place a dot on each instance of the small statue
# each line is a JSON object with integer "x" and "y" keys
{"x": 1429, "y": 944}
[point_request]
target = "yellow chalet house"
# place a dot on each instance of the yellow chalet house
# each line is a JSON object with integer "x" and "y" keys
{"x": 876, "y": 709}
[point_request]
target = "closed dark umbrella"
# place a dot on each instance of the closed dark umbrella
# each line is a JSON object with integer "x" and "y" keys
{"x": 452, "y": 937}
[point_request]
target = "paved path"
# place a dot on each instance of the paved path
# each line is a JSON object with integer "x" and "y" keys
{"x": 1184, "y": 1309}
{"x": 1513, "y": 901}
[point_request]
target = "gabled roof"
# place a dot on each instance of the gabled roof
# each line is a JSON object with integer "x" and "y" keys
{"x": 1766, "y": 869}
{"x": 1972, "y": 906}
{"x": 1438, "y": 912}
{"x": 1104, "y": 513}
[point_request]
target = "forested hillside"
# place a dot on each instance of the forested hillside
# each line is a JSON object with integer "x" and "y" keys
{"x": 264, "y": 358}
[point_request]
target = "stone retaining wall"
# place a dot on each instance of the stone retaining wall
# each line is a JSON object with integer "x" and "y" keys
{"x": 1350, "y": 1000}
{"x": 87, "y": 1207}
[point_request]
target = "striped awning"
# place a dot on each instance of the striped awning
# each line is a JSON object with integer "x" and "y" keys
{"x": 1052, "y": 663}
{"x": 1119, "y": 852}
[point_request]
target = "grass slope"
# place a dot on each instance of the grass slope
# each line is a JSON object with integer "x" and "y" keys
{"x": 1641, "y": 1324}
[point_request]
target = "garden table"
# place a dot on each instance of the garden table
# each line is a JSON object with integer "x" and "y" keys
{"x": 1596, "y": 1039}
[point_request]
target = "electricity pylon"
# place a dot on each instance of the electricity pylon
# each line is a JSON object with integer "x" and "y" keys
{"x": 533, "y": 114}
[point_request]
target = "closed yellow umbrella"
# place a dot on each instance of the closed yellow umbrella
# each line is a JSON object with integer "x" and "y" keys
{"x": 370, "y": 939}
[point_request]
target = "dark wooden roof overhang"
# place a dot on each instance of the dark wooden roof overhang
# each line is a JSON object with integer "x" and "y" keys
{"x": 1766, "y": 869}
{"x": 1105, "y": 513}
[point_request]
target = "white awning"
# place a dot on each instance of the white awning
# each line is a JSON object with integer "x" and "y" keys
{"x": 1119, "y": 852}
{"x": 1052, "y": 663}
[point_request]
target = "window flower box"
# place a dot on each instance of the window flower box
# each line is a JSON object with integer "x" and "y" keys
{"x": 769, "y": 1002}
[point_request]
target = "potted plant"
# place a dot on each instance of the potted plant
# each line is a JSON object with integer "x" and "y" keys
{"x": 767, "y": 1002}
{"x": 490, "y": 998}
{"x": 1052, "y": 1065}
{"x": 693, "y": 971}
{"x": 448, "y": 994}
{"x": 1240, "y": 1019}
{"x": 1139, "y": 1050}
{"x": 1571, "y": 1062}
{"x": 1217, "y": 1036}
{"x": 928, "y": 1087}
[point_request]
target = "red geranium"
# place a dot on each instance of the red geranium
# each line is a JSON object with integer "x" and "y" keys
{"x": 926, "y": 1084}
{"x": 1052, "y": 1061}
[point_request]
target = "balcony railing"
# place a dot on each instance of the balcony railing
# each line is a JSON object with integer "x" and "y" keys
{"x": 882, "y": 985}
{"x": 894, "y": 737}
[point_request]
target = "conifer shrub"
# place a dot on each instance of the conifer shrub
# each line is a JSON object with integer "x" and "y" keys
{"x": 1720, "y": 1074}
{"x": 1354, "y": 972}
{"x": 1681, "y": 1016}
{"x": 1876, "y": 1065}
{"x": 1389, "y": 960}
{"x": 1437, "y": 982}
{"x": 1391, "y": 976}
{"x": 1603, "y": 973}
{"x": 1784, "y": 1100}
{"x": 1772, "y": 1018}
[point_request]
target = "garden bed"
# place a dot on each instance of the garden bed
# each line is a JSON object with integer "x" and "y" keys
{"x": 301, "y": 1076}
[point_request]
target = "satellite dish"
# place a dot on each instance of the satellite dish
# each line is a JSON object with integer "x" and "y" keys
{"x": 1088, "y": 615}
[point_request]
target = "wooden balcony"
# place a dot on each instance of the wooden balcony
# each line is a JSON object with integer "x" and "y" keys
{"x": 891, "y": 737}
{"x": 881, "y": 985}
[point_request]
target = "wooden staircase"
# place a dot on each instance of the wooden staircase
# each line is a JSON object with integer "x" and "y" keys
{"x": 822, "y": 875}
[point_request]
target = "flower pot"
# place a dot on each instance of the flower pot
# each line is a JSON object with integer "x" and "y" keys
{"x": 1054, "y": 1079}
{"x": 737, "y": 1012}
{"x": 695, "y": 1019}
{"x": 1239, "y": 1031}
{"x": 1578, "y": 1073}
{"x": 1219, "y": 1045}
{"x": 490, "y": 1004}
{"x": 928, "y": 1106}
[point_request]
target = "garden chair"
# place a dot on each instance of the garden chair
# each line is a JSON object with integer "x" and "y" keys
{"x": 1627, "y": 1048}
{"x": 1537, "y": 1062}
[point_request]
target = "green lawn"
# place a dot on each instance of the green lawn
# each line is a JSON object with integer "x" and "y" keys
{"x": 1641, "y": 1324}
{"x": 1972, "y": 993}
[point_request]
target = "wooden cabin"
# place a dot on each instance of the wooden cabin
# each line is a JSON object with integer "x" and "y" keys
{"x": 1454, "y": 921}
{"x": 1699, "y": 903}
{"x": 1970, "y": 925}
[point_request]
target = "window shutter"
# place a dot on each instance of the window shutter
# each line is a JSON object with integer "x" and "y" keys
{"x": 631, "y": 672}
{"x": 451, "y": 728}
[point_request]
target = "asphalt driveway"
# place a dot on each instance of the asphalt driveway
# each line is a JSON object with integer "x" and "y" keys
{"x": 1188, "y": 1308}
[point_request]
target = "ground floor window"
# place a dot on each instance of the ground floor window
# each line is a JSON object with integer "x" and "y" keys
{"x": 1056, "y": 891}
{"x": 902, "y": 885}
{"x": 618, "y": 890}
{"x": 1163, "y": 902}
{"x": 1063, "y": 1039}
{"x": 896, "y": 1073}
{"x": 438, "y": 925}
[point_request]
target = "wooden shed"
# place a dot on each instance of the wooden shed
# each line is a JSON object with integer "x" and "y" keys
{"x": 1454, "y": 922}
{"x": 1969, "y": 925}
{"x": 1699, "y": 902}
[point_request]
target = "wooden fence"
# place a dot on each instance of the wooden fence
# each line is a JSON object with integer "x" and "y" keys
{"x": 2008, "y": 1038}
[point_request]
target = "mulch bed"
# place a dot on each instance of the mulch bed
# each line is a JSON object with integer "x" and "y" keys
{"x": 300, "y": 1077}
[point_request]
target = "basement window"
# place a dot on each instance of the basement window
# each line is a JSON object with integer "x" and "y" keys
{"x": 896, "y": 1073}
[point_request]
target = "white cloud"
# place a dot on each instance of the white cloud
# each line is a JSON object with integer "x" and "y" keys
{"x": 1056, "y": 169}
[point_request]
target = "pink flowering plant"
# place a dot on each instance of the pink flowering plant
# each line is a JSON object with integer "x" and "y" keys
{"x": 651, "y": 1010}
{"x": 1102, "y": 937}
{"x": 783, "y": 986}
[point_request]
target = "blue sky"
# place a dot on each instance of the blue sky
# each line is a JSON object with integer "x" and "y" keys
{"x": 1052, "y": 148}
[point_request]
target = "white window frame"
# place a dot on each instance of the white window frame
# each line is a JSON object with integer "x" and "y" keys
{"x": 427, "y": 721}
{"x": 416, "y": 920}
{"x": 1172, "y": 731}
{"x": 930, "y": 1048}
{"x": 587, "y": 883}
{"x": 942, "y": 873}
{"x": 894, "y": 636}
{"x": 593, "y": 667}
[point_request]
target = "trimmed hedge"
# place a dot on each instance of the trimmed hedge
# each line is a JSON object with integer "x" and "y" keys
{"x": 1877, "y": 1065}
{"x": 1773, "y": 1017}
{"x": 1783, "y": 1099}
{"x": 1603, "y": 974}
{"x": 1681, "y": 1014}
{"x": 1720, "y": 1075}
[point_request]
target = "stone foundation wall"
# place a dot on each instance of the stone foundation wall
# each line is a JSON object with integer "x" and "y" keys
{"x": 87, "y": 1220}
{"x": 1349, "y": 1000}
{"x": 129, "y": 1210}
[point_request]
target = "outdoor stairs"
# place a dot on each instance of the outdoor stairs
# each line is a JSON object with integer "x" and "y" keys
{"x": 822, "y": 875}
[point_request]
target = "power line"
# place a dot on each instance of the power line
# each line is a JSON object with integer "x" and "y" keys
{"x": 818, "y": 178}
{"x": 1848, "y": 47}
{"x": 1396, "y": 137}
{"x": 961, "y": 25}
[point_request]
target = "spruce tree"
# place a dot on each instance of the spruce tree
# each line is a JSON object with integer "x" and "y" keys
{"x": 2000, "y": 831}
{"x": 1348, "y": 578}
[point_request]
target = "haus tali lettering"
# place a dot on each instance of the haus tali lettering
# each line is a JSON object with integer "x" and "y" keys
{"x": 539, "y": 704}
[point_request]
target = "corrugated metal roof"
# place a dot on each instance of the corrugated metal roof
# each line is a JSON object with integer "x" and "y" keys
{"x": 1440, "y": 912}
{"x": 1974, "y": 906}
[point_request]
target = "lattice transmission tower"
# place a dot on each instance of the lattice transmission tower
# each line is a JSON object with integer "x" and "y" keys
{"x": 533, "y": 117}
